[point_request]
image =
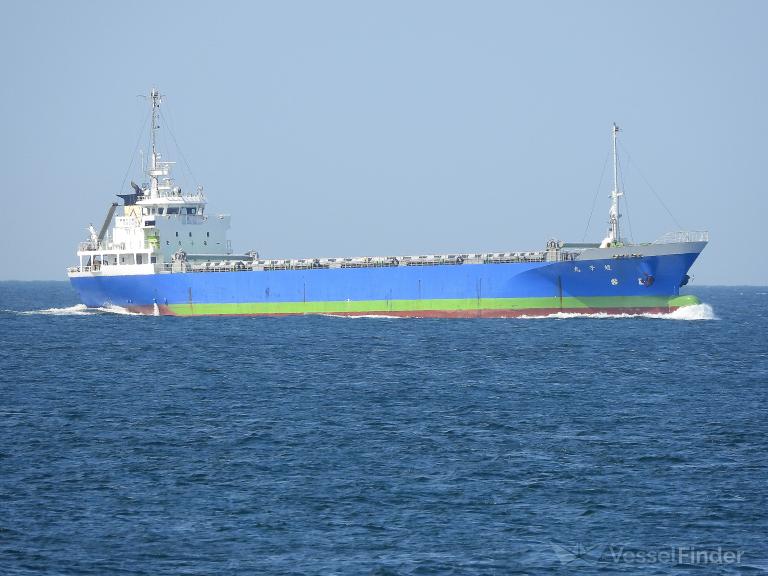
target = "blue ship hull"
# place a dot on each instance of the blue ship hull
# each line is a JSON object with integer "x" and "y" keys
{"x": 617, "y": 285}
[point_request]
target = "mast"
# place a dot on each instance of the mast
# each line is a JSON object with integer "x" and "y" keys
{"x": 153, "y": 168}
{"x": 614, "y": 214}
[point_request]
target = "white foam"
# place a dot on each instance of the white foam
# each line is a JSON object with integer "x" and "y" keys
{"x": 376, "y": 316}
{"x": 81, "y": 310}
{"x": 569, "y": 315}
{"x": 693, "y": 312}
{"x": 112, "y": 309}
{"x": 76, "y": 310}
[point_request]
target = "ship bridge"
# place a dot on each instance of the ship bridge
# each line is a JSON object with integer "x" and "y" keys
{"x": 158, "y": 221}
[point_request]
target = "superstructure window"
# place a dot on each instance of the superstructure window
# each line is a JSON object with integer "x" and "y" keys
{"x": 190, "y": 234}
{"x": 160, "y": 210}
{"x": 173, "y": 210}
{"x": 177, "y": 234}
{"x": 192, "y": 210}
{"x": 208, "y": 234}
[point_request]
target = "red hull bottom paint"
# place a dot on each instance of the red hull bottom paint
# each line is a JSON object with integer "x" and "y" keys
{"x": 489, "y": 313}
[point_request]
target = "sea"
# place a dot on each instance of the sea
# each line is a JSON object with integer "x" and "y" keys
{"x": 139, "y": 445}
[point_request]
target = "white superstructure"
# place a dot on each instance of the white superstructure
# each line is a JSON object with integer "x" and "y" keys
{"x": 159, "y": 225}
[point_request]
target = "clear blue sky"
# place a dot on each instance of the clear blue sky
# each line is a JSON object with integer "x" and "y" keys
{"x": 355, "y": 128}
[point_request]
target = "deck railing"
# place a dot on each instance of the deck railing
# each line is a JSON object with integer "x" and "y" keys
{"x": 83, "y": 268}
{"x": 683, "y": 236}
{"x": 187, "y": 266}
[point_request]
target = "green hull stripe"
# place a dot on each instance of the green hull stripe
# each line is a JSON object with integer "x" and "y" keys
{"x": 384, "y": 306}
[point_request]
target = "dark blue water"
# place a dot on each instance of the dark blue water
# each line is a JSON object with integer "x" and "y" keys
{"x": 317, "y": 445}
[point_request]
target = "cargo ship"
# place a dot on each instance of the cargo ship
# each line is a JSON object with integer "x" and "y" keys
{"x": 164, "y": 254}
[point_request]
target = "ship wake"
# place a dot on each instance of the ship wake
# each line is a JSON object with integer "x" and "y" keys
{"x": 81, "y": 310}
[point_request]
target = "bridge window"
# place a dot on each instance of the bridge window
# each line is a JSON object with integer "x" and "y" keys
{"x": 173, "y": 210}
{"x": 160, "y": 210}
